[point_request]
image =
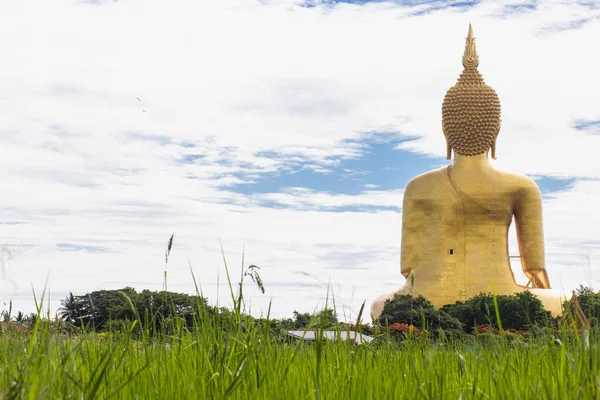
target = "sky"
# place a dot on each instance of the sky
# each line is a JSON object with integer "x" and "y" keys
{"x": 282, "y": 130}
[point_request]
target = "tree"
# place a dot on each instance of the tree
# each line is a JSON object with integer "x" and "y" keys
{"x": 97, "y": 308}
{"x": 30, "y": 319}
{"x": 477, "y": 310}
{"x": 521, "y": 311}
{"x": 324, "y": 319}
{"x": 528, "y": 311}
{"x": 6, "y": 314}
{"x": 590, "y": 303}
{"x": 163, "y": 306}
{"x": 584, "y": 290}
{"x": 277, "y": 328}
{"x": 70, "y": 309}
{"x": 19, "y": 318}
{"x": 417, "y": 311}
{"x": 301, "y": 320}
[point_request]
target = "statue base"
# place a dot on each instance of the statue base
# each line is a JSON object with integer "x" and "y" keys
{"x": 552, "y": 299}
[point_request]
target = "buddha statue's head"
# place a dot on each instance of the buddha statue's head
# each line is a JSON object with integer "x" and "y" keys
{"x": 471, "y": 110}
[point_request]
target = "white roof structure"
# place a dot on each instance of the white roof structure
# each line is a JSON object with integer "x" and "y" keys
{"x": 331, "y": 335}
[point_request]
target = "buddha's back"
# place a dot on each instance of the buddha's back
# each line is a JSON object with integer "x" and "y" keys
{"x": 455, "y": 220}
{"x": 455, "y": 231}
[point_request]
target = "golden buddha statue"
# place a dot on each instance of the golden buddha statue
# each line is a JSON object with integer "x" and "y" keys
{"x": 455, "y": 219}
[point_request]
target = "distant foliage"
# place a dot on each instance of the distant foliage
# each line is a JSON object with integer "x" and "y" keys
{"x": 326, "y": 319}
{"x": 365, "y": 329}
{"x": 418, "y": 312}
{"x": 518, "y": 312}
{"x": 94, "y": 310}
{"x": 590, "y": 303}
{"x": 521, "y": 311}
{"x": 301, "y": 320}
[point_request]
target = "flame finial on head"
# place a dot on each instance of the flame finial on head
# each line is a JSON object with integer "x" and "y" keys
{"x": 470, "y": 58}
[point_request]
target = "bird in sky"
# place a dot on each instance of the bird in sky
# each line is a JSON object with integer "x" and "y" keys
{"x": 140, "y": 100}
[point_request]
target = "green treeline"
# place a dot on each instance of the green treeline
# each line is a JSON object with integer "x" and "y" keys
{"x": 110, "y": 310}
{"x": 116, "y": 309}
{"x": 98, "y": 309}
{"x": 160, "y": 311}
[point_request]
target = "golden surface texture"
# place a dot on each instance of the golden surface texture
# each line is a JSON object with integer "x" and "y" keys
{"x": 455, "y": 219}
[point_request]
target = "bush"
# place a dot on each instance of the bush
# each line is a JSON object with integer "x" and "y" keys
{"x": 365, "y": 329}
{"x": 403, "y": 330}
{"x": 521, "y": 311}
{"x": 590, "y": 303}
{"x": 418, "y": 312}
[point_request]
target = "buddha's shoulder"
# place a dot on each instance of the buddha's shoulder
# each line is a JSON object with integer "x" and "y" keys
{"x": 427, "y": 180}
{"x": 517, "y": 181}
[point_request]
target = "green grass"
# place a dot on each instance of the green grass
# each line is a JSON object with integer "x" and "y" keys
{"x": 239, "y": 357}
{"x": 242, "y": 361}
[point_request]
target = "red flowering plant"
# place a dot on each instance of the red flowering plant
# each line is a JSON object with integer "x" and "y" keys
{"x": 487, "y": 328}
{"x": 12, "y": 327}
{"x": 403, "y": 330}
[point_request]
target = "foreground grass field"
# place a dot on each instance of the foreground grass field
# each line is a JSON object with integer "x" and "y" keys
{"x": 220, "y": 355}
{"x": 243, "y": 361}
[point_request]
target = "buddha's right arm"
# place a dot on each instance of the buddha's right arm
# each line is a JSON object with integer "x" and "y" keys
{"x": 530, "y": 234}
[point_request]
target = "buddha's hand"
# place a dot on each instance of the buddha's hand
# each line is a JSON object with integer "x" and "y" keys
{"x": 539, "y": 278}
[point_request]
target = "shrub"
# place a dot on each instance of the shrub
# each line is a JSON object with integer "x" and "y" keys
{"x": 418, "y": 312}
{"x": 521, "y": 311}
{"x": 365, "y": 329}
{"x": 403, "y": 330}
{"x": 590, "y": 303}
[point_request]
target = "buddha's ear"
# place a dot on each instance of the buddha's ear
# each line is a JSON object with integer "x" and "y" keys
{"x": 448, "y": 147}
{"x": 493, "y": 147}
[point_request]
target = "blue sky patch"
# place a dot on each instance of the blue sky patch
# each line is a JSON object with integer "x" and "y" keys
{"x": 437, "y": 4}
{"x": 565, "y": 26}
{"x": 191, "y": 158}
{"x": 381, "y": 167}
{"x": 587, "y": 125}
{"x": 548, "y": 185}
{"x": 511, "y": 9}
{"x": 367, "y": 209}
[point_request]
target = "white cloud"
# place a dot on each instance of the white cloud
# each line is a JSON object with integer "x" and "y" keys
{"x": 247, "y": 88}
{"x": 302, "y": 198}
